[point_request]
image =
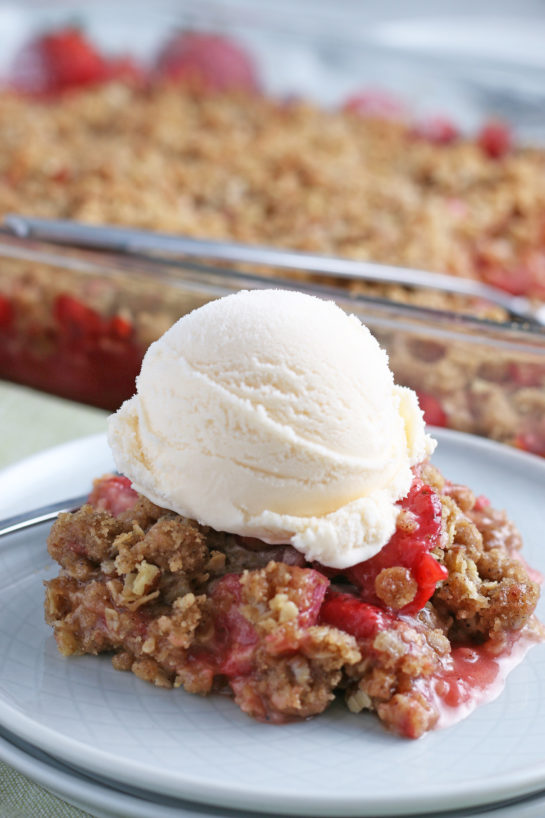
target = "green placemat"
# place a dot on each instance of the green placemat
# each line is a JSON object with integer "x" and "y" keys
{"x": 31, "y": 421}
{"x": 21, "y": 798}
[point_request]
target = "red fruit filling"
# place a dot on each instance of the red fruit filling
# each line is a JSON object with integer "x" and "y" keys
{"x": 231, "y": 651}
{"x": 81, "y": 355}
{"x": 434, "y": 414}
{"x": 364, "y": 616}
{"x": 350, "y": 614}
{"x": 6, "y": 312}
{"x": 209, "y": 61}
{"x": 114, "y": 494}
{"x": 472, "y": 668}
{"x": 409, "y": 548}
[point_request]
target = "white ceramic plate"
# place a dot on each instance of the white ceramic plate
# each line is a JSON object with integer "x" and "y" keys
{"x": 97, "y": 794}
{"x": 106, "y": 802}
{"x": 111, "y": 724}
{"x": 88, "y": 794}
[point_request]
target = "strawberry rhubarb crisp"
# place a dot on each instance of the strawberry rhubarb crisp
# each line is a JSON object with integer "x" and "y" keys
{"x": 281, "y": 535}
{"x": 416, "y": 634}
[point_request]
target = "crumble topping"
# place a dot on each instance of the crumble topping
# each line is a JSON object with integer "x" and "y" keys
{"x": 179, "y": 604}
{"x": 237, "y": 166}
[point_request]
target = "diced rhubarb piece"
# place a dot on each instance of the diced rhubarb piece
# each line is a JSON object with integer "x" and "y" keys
{"x": 495, "y": 139}
{"x": 409, "y": 548}
{"x": 210, "y": 61}
{"x": 436, "y": 129}
{"x": 235, "y": 637}
{"x": 350, "y": 614}
{"x": 434, "y": 413}
{"x": 376, "y": 104}
{"x": 56, "y": 62}
{"x": 114, "y": 494}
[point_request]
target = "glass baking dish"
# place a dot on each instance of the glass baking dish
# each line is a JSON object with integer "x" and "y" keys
{"x": 330, "y": 132}
{"x": 77, "y": 323}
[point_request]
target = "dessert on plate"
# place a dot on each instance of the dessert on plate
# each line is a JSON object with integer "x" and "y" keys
{"x": 279, "y": 533}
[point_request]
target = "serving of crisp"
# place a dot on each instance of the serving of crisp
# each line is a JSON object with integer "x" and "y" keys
{"x": 280, "y": 533}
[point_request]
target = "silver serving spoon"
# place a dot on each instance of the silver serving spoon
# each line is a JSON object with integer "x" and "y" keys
{"x": 37, "y": 516}
{"x": 129, "y": 240}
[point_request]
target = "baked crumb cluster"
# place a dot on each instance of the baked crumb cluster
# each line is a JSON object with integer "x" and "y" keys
{"x": 180, "y": 604}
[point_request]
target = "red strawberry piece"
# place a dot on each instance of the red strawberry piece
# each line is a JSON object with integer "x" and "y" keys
{"x": 436, "y": 129}
{"x": 376, "y": 104}
{"x": 495, "y": 139}
{"x": 209, "y": 61}
{"x": 114, "y": 494}
{"x": 409, "y": 549}
{"x": 427, "y": 573}
{"x": 434, "y": 413}
{"x": 350, "y": 614}
{"x": 58, "y": 61}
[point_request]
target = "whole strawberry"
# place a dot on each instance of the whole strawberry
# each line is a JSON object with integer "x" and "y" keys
{"x": 207, "y": 61}
{"x": 63, "y": 60}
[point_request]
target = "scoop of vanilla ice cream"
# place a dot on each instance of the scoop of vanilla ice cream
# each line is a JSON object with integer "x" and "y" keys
{"x": 273, "y": 414}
